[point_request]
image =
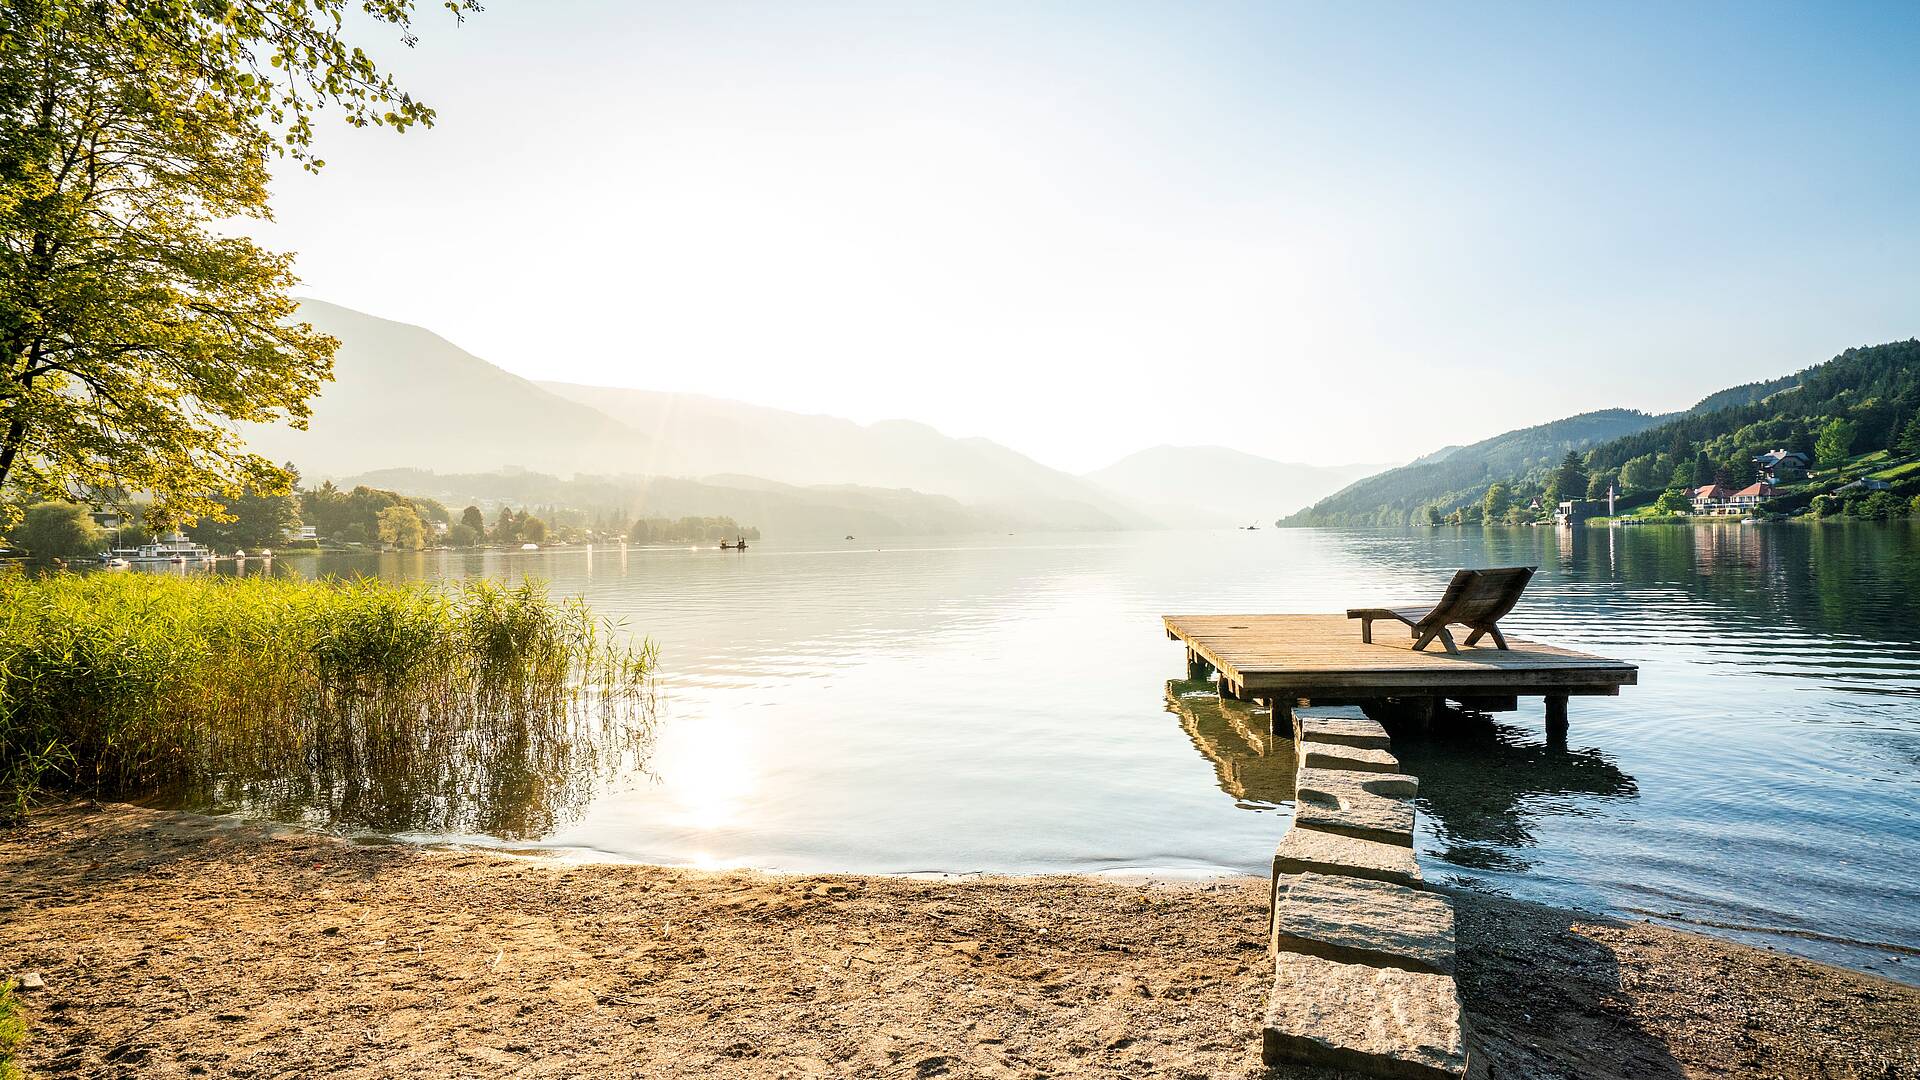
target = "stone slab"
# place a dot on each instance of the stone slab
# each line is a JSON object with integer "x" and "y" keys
{"x": 1343, "y": 724}
{"x": 1334, "y": 784}
{"x": 1312, "y": 851}
{"x": 1320, "y": 755}
{"x": 1356, "y": 921}
{"x": 1371, "y": 806}
{"x": 1368, "y": 1020}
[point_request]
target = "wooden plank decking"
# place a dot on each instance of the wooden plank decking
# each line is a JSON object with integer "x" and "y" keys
{"x": 1322, "y": 656}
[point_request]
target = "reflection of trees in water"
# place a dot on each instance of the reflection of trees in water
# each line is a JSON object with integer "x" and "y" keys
{"x": 1251, "y": 766}
{"x": 1852, "y": 578}
{"x": 516, "y": 777}
{"x": 1482, "y": 786}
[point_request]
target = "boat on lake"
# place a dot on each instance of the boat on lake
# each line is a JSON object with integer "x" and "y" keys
{"x": 174, "y": 549}
{"x": 739, "y": 544}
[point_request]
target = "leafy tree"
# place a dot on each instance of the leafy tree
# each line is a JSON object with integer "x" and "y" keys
{"x": 59, "y": 530}
{"x": 429, "y": 509}
{"x": 1835, "y": 444}
{"x": 249, "y": 522}
{"x": 1673, "y": 501}
{"x": 133, "y": 333}
{"x": 1704, "y": 470}
{"x": 531, "y": 529}
{"x": 1599, "y": 482}
{"x": 506, "y": 527}
{"x": 472, "y": 519}
{"x": 401, "y": 527}
{"x": 1569, "y": 479}
{"x": 1642, "y": 473}
{"x": 1880, "y": 506}
{"x": 1494, "y": 504}
{"x": 1909, "y": 440}
{"x": 461, "y": 535}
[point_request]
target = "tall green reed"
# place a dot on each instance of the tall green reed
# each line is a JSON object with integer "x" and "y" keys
{"x": 460, "y": 704}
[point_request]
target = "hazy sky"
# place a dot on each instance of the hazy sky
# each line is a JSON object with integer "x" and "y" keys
{"x": 1322, "y": 233}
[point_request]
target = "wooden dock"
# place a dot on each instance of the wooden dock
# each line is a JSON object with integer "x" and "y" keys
{"x": 1320, "y": 658}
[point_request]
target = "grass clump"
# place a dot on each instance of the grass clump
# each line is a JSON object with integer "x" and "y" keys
{"x": 367, "y": 699}
{"x": 13, "y": 1032}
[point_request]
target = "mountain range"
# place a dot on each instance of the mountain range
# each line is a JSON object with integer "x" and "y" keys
{"x": 1870, "y": 387}
{"x": 404, "y": 398}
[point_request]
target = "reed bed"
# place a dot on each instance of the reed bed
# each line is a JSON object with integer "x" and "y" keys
{"x": 381, "y": 704}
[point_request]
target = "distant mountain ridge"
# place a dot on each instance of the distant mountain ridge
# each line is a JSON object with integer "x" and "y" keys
{"x": 1215, "y": 485}
{"x": 1875, "y": 388}
{"x": 404, "y": 397}
{"x": 711, "y": 435}
{"x": 1453, "y": 474}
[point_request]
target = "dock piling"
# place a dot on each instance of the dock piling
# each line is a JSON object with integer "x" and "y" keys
{"x": 1557, "y": 720}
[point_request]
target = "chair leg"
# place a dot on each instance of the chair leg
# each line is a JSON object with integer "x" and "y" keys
{"x": 1473, "y": 637}
{"x": 1499, "y": 639}
{"x": 1366, "y": 631}
{"x": 1447, "y": 640}
{"x": 1420, "y": 639}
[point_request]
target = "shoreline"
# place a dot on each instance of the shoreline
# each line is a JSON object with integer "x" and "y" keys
{"x": 173, "y": 944}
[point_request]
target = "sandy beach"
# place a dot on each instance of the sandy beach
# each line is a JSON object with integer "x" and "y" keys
{"x": 173, "y": 945}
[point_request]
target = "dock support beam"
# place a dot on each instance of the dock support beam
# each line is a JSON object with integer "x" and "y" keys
{"x": 1197, "y": 666}
{"x": 1557, "y": 720}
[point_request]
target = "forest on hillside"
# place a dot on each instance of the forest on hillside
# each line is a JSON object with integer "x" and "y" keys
{"x": 1863, "y": 400}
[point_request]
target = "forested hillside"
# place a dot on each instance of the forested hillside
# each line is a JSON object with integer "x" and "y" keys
{"x": 1461, "y": 474}
{"x": 1862, "y": 400}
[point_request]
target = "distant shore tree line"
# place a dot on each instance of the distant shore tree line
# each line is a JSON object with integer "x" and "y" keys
{"x": 1864, "y": 402}
{"x": 689, "y": 530}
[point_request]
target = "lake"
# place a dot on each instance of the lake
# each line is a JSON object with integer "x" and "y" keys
{"x": 1011, "y": 704}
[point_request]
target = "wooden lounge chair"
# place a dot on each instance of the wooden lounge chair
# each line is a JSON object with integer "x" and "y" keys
{"x": 1475, "y": 599}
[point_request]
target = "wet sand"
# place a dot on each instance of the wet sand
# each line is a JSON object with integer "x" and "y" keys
{"x": 175, "y": 946}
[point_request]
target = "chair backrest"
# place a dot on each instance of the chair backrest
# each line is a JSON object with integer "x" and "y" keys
{"x": 1480, "y": 598}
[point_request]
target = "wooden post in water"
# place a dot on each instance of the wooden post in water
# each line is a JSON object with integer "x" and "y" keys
{"x": 1557, "y": 720}
{"x": 1280, "y": 722}
{"x": 1197, "y": 665}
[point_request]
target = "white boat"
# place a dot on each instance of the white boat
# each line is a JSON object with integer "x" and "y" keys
{"x": 529, "y": 547}
{"x": 174, "y": 549}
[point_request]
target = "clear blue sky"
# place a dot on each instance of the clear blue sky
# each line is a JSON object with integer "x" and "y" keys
{"x": 1322, "y": 233}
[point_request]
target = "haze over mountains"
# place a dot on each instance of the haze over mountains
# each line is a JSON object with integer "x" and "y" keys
{"x": 404, "y": 398}
{"x": 1222, "y": 486}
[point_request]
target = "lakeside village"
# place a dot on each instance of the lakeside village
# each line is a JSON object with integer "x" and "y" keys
{"x": 1782, "y": 484}
{"x": 117, "y": 531}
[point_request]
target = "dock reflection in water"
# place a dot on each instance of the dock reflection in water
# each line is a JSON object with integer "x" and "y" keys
{"x": 1483, "y": 785}
{"x": 1248, "y": 763}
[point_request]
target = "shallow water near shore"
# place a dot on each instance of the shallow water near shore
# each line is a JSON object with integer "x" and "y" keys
{"x": 1011, "y": 704}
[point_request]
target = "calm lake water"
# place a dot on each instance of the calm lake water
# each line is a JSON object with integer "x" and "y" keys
{"x": 1012, "y": 704}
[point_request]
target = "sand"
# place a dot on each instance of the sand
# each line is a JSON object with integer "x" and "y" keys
{"x": 174, "y": 946}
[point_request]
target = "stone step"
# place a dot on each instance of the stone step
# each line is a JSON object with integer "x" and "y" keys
{"x": 1356, "y": 921}
{"x": 1319, "y": 755}
{"x": 1369, "y": 806}
{"x": 1312, "y": 851}
{"x": 1343, "y": 724}
{"x": 1368, "y": 1020}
